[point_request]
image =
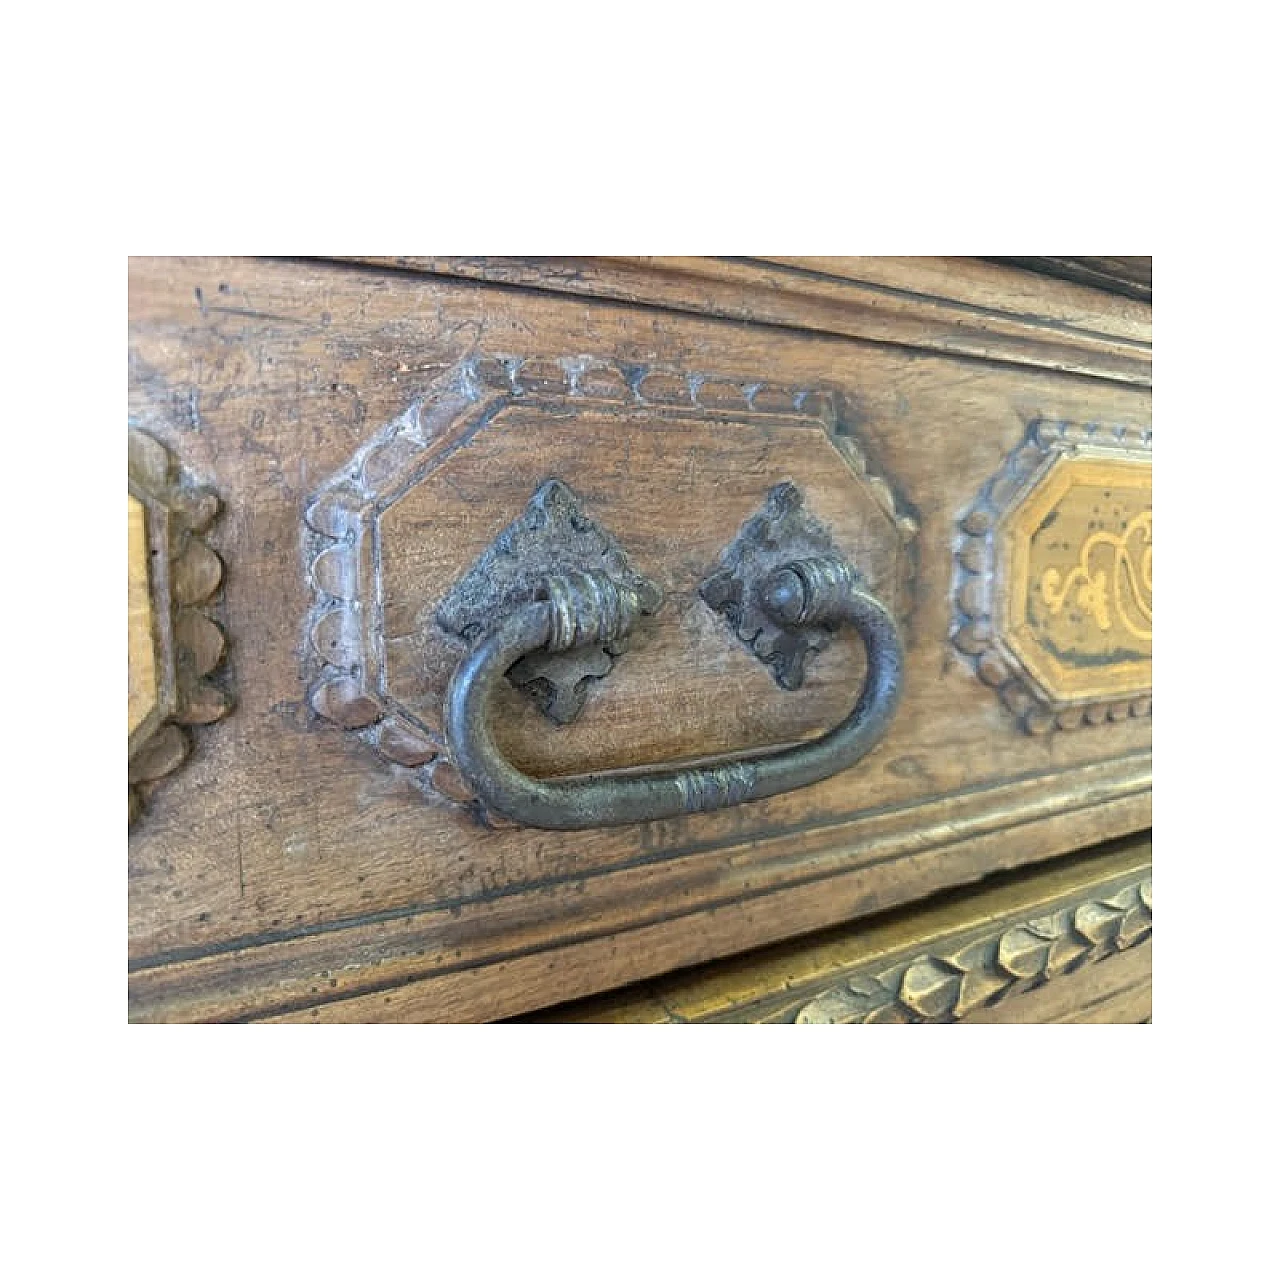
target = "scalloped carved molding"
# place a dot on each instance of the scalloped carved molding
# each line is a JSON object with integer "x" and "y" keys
{"x": 174, "y": 644}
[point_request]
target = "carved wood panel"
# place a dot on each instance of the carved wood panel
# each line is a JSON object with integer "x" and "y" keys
{"x": 384, "y": 641}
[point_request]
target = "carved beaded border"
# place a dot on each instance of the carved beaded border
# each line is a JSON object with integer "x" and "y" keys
{"x": 986, "y": 968}
{"x": 343, "y": 663}
{"x": 973, "y": 630}
{"x": 190, "y": 645}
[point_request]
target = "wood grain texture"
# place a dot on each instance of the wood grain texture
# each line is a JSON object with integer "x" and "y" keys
{"x": 1070, "y": 943}
{"x": 302, "y": 876}
{"x": 1128, "y": 276}
{"x": 956, "y": 305}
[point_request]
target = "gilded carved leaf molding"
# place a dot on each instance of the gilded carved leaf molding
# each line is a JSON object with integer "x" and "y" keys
{"x": 985, "y": 967}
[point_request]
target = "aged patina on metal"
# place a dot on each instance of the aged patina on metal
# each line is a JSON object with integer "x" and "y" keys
{"x": 781, "y": 534}
{"x": 553, "y": 537}
{"x": 593, "y": 609}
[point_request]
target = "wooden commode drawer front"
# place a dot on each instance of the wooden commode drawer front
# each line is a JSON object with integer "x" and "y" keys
{"x": 796, "y": 624}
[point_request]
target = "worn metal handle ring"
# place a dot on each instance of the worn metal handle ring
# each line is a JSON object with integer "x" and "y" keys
{"x": 586, "y": 608}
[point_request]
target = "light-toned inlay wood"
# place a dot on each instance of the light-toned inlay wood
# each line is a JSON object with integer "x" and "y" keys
{"x": 143, "y": 683}
{"x": 1077, "y": 553}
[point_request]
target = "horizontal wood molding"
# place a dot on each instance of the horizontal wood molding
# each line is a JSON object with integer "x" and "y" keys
{"x": 406, "y": 966}
{"x": 1028, "y": 949}
{"x": 1128, "y": 276}
{"x": 961, "y": 306}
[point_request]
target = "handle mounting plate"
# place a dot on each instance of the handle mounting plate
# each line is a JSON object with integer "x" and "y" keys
{"x": 553, "y": 536}
{"x": 780, "y": 532}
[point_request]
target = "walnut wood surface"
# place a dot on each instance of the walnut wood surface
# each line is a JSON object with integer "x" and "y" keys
{"x": 1128, "y": 276}
{"x": 957, "y": 305}
{"x": 287, "y": 872}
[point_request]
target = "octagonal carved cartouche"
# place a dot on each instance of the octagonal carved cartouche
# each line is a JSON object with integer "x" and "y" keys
{"x": 1053, "y": 594}
{"x": 655, "y": 467}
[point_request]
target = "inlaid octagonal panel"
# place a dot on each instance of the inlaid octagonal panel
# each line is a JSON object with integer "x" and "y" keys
{"x": 1055, "y": 577}
{"x": 658, "y": 469}
{"x": 174, "y": 645}
{"x": 1078, "y": 609}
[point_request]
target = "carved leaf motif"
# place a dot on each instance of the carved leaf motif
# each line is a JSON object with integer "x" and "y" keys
{"x": 891, "y": 1013}
{"x": 979, "y": 986}
{"x": 1135, "y": 928}
{"x": 1023, "y": 953}
{"x": 1100, "y": 923}
{"x": 1066, "y": 953}
{"x": 931, "y": 987}
{"x": 990, "y": 965}
{"x": 866, "y": 1000}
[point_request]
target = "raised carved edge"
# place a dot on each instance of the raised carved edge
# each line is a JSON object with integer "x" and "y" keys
{"x": 973, "y": 630}
{"x": 985, "y": 967}
{"x": 342, "y": 667}
{"x": 191, "y": 645}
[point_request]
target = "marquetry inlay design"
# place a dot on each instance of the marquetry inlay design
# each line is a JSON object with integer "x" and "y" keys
{"x": 382, "y": 643}
{"x": 1054, "y": 577}
{"x": 174, "y": 645}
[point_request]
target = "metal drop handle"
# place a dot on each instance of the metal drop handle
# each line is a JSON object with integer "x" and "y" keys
{"x": 586, "y": 608}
